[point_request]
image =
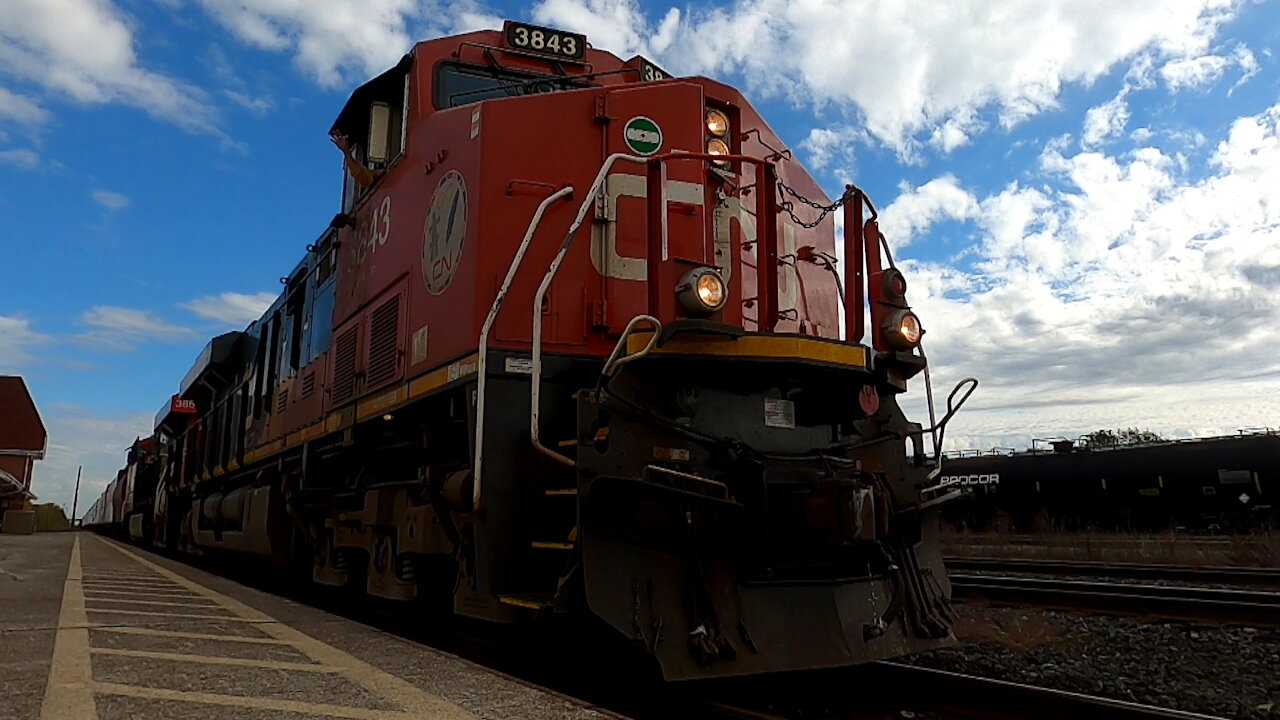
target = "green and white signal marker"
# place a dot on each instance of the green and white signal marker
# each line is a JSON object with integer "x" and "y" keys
{"x": 642, "y": 135}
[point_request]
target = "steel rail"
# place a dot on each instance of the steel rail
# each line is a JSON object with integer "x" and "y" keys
{"x": 892, "y": 688}
{"x": 1137, "y": 571}
{"x": 983, "y": 697}
{"x": 1218, "y": 605}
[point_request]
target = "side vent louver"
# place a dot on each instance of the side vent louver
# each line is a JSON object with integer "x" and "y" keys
{"x": 344, "y": 366}
{"x": 384, "y": 332}
{"x": 282, "y": 401}
{"x": 308, "y": 384}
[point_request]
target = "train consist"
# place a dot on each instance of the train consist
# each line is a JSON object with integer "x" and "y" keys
{"x": 573, "y": 344}
{"x": 1229, "y": 484}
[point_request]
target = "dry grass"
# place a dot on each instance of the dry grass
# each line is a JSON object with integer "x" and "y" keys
{"x": 1008, "y": 628}
{"x": 1255, "y": 550}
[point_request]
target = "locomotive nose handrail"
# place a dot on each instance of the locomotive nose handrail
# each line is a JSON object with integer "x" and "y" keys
{"x": 662, "y": 303}
{"x": 658, "y": 247}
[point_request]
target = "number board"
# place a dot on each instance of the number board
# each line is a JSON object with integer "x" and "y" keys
{"x": 545, "y": 41}
{"x": 650, "y": 72}
{"x": 179, "y": 404}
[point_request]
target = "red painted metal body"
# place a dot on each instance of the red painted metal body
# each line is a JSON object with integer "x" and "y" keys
{"x": 508, "y": 153}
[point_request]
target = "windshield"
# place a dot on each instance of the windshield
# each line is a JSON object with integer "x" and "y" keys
{"x": 462, "y": 84}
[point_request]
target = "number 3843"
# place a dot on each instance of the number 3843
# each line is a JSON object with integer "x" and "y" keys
{"x": 546, "y": 41}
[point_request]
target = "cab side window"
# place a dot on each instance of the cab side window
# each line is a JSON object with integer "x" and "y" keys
{"x": 371, "y": 131}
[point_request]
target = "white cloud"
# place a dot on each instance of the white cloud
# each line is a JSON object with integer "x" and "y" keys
{"x": 1206, "y": 69}
{"x": 915, "y": 210}
{"x": 231, "y": 308}
{"x": 617, "y": 25}
{"x": 1207, "y": 411}
{"x": 120, "y": 328}
{"x": 20, "y": 157}
{"x": 911, "y": 71}
{"x": 1194, "y": 72}
{"x": 1106, "y": 120}
{"x": 1122, "y": 294}
{"x": 16, "y": 340}
{"x": 255, "y": 105}
{"x": 110, "y": 199}
{"x": 78, "y": 437}
{"x": 84, "y": 49}
{"x": 954, "y": 133}
{"x": 827, "y": 146}
{"x": 21, "y": 108}
{"x": 337, "y": 42}
{"x": 1248, "y": 65}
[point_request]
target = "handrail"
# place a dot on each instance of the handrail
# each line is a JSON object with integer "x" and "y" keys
{"x": 566, "y": 191}
{"x": 617, "y": 359}
{"x": 535, "y": 389}
{"x": 766, "y": 183}
{"x": 767, "y": 279}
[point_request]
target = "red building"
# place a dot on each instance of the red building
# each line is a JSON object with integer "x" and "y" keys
{"x": 23, "y": 441}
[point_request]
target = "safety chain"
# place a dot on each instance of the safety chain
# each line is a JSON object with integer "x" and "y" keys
{"x": 788, "y": 206}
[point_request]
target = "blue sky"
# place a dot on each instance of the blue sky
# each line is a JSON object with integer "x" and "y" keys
{"x": 1082, "y": 191}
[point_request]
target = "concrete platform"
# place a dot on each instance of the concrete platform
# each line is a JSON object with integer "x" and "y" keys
{"x": 91, "y": 629}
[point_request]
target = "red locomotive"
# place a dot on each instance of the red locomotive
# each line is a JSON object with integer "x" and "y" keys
{"x": 573, "y": 344}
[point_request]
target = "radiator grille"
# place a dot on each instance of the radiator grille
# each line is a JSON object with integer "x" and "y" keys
{"x": 344, "y": 366}
{"x": 384, "y": 336}
{"x": 308, "y": 384}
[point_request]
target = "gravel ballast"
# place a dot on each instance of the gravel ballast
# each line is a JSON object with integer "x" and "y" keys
{"x": 1225, "y": 671}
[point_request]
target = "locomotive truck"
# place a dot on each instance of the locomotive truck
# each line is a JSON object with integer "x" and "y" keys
{"x": 576, "y": 341}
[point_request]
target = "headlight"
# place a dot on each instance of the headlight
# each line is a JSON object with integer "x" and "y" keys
{"x": 701, "y": 292}
{"x": 717, "y": 123}
{"x": 716, "y": 146}
{"x": 903, "y": 330}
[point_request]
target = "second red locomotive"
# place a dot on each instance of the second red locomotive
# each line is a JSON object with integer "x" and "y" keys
{"x": 573, "y": 344}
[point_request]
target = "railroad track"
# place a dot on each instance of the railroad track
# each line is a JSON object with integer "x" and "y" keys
{"x": 903, "y": 690}
{"x": 1218, "y": 605}
{"x": 1213, "y": 575}
{"x": 980, "y": 697}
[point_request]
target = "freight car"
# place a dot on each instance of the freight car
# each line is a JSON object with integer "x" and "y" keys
{"x": 572, "y": 344}
{"x": 126, "y": 506}
{"x": 1227, "y": 484}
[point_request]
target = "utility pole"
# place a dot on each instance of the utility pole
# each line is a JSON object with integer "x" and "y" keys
{"x": 75, "y": 499}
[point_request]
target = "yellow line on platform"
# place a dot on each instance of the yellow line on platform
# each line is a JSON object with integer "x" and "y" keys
{"x": 415, "y": 702}
{"x": 280, "y": 706}
{"x": 160, "y": 614}
{"x": 189, "y": 635}
{"x": 132, "y": 601}
{"x": 158, "y": 583}
{"x": 67, "y": 695}
{"x": 216, "y": 660}
{"x": 176, "y": 593}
